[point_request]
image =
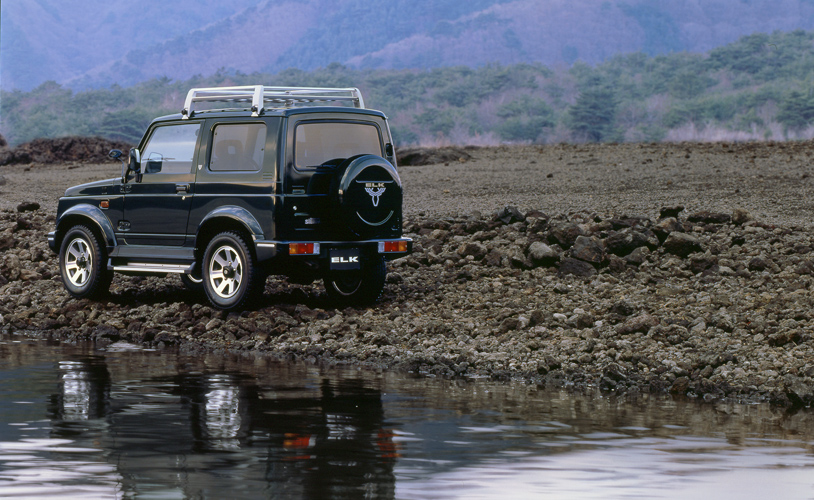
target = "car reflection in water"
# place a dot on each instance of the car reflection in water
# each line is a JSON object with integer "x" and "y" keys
{"x": 84, "y": 391}
{"x": 221, "y": 435}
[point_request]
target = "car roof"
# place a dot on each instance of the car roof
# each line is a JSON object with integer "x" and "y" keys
{"x": 282, "y": 112}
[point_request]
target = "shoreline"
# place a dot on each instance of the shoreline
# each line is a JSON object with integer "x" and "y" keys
{"x": 597, "y": 281}
{"x": 712, "y": 306}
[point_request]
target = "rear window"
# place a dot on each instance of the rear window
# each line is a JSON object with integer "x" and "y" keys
{"x": 319, "y": 142}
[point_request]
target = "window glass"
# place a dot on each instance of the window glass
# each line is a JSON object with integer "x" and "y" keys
{"x": 170, "y": 149}
{"x": 318, "y": 142}
{"x": 238, "y": 147}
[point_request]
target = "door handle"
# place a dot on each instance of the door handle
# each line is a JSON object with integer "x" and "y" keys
{"x": 182, "y": 188}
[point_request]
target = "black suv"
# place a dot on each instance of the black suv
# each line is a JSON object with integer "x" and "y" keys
{"x": 243, "y": 183}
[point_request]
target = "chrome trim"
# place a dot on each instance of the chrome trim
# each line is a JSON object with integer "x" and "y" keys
{"x": 375, "y": 224}
{"x": 146, "y": 267}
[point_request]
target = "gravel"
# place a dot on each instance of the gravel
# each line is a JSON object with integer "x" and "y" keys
{"x": 631, "y": 269}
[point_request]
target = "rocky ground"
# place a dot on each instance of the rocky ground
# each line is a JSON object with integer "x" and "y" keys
{"x": 629, "y": 268}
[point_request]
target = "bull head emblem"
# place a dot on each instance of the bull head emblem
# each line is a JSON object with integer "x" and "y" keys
{"x": 374, "y": 194}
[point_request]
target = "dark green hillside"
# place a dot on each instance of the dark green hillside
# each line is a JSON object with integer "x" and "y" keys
{"x": 760, "y": 87}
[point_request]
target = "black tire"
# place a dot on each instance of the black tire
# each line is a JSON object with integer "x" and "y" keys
{"x": 229, "y": 273}
{"x": 193, "y": 282}
{"x": 82, "y": 264}
{"x": 357, "y": 288}
{"x": 367, "y": 192}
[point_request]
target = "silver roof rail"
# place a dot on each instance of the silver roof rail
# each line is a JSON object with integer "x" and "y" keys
{"x": 259, "y": 95}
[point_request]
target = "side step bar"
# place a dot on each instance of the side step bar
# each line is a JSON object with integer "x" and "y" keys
{"x": 150, "y": 267}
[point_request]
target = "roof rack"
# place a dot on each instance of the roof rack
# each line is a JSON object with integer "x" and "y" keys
{"x": 259, "y": 95}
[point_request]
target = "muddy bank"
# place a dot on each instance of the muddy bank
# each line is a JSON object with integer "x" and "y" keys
{"x": 711, "y": 305}
{"x": 63, "y": 149}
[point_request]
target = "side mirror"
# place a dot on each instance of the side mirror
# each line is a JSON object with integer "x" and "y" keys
{"x": 134, "y": 165}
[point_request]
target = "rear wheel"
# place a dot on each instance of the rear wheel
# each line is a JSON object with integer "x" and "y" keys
{"x": 359, "y": 287}
{"x": 81, "y": 264}
{"x": 229, "y": 273}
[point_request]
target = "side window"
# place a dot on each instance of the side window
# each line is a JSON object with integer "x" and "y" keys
{"x": 238, "y": 147}
{"x": 319, "y": 142}
{"x": 171, "y": 149}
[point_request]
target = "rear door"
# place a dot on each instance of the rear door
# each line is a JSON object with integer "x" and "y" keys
{"x": 236, "y": 167}
{"x": 157, "y": 208}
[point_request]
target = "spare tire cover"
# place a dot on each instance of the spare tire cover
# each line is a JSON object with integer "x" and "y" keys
{"x": 369, "y": 195}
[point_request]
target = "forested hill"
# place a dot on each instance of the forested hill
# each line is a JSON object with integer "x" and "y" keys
{"x": 95, "y": 43}
{"x": 759, "y": 87}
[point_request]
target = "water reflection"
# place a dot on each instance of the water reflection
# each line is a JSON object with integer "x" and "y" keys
{"x": 84, "y": 390}
{"x": 182, "y": 434}
{"x": 138, "y": 424}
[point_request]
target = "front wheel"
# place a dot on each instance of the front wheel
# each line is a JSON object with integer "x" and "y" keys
{"x": 229, "y": 272}
{"x": 81, "y": 264}
{"x": 358, "y": 288}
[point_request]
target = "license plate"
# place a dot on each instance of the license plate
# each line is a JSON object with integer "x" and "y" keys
{"x": 344, "y": 259}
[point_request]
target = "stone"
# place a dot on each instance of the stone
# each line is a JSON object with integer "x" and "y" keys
{"x": 473, "y": 249}
{"x": 494, "y": 258}
{"x": 14, "y": 267}
{"x": 638, "y": 256}
{"x": 682, "y": 244}
{"x": 509, "y": 215}
{"x": 799, "y": 390}
{"x": 28, "y": 206}
{"x": 624, "y": 242}
{"x": 741, "y": 216}
{"x": 666, "y": 212}
{"x": 666, "y": 226}
{"x": 508, "y": 324}
{"x": 7, "y": 241}
{"x": 213, "y": 323}
{"x": 516, "y": 258}
{"x": 541, "y": 254}
{"x": 23, "y": 224}
{"x": 708, "y": 217}
{"x": 29, "y": 275}
{"x": 537, "y": 317}
{"x": 564, "y": 234}
{"x": 702, "y": 262}
{"x": 641, "y": 323}
{"x": 680, "y": 385}
{"x": 106, "y": 331}
{"x": 757, "y": 264}
{"x": 588, "y": 249}
{"x": 576, "y": 267}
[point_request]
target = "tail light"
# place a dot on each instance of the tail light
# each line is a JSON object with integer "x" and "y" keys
{"x": 303, "y": 248}
{"x": 398, "y": 246}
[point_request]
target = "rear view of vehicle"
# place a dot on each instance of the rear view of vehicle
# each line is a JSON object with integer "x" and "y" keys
{"x": 262, "y": 180}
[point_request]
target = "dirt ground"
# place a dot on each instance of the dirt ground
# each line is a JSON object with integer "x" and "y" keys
{"x": 597, "y": 280}
{"x": 773, "y": 181}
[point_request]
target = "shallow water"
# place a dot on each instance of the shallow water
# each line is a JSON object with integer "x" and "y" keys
{"x": 130, "y": 423}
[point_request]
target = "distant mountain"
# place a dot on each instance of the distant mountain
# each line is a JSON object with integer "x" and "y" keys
{"x": 92, "y": 43}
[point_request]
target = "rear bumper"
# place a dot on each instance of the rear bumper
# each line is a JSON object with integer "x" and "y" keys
{"x": 267, "y": 250}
